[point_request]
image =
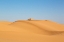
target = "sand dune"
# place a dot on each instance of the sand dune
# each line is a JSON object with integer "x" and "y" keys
{"x": 31, "y": 31}
{"x": 40, "y": 26}
{"x": 5, "y": 22}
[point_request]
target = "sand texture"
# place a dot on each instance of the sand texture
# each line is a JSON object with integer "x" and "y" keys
{"x": 31, "y": 31}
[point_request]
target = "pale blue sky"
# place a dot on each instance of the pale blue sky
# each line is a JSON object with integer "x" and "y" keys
{"x": 12, "y": 10}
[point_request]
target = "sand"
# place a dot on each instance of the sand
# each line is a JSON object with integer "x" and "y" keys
{"x": 31, "y": 31}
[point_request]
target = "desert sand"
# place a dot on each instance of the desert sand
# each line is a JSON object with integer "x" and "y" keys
{"x": 31, "y": 31}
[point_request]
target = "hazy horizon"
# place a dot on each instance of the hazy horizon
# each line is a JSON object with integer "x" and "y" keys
{"x": 12, "y": 10}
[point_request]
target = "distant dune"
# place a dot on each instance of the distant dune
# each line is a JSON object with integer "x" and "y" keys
{"x": 31, "y": 31}
{"x": 5, "y": 22}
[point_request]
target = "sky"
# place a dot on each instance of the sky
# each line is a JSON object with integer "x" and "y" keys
{"x": 12, "y": 10}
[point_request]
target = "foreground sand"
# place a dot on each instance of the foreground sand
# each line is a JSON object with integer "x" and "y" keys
{"x": 31, "y": 31}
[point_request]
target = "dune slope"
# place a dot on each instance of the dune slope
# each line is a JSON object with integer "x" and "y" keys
{"x": 31, "y": 31}
{"x": 43, "y": 27}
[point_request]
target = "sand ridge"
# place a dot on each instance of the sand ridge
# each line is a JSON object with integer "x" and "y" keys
{"x": 40, "y": 27}
{"x": 31, "y": 31}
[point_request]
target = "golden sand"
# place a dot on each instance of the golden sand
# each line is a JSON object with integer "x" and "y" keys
{"x": 31, "y": 31}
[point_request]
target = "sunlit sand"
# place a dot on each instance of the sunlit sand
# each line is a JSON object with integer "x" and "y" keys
{"x": 31, "y": 31}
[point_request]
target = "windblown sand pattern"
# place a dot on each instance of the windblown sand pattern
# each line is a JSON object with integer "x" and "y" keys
{"x": 31, "y": 31}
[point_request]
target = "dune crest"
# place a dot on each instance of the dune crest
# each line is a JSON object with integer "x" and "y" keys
{"x": 40, "y": 26}
{"x": 31, "y": 31}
